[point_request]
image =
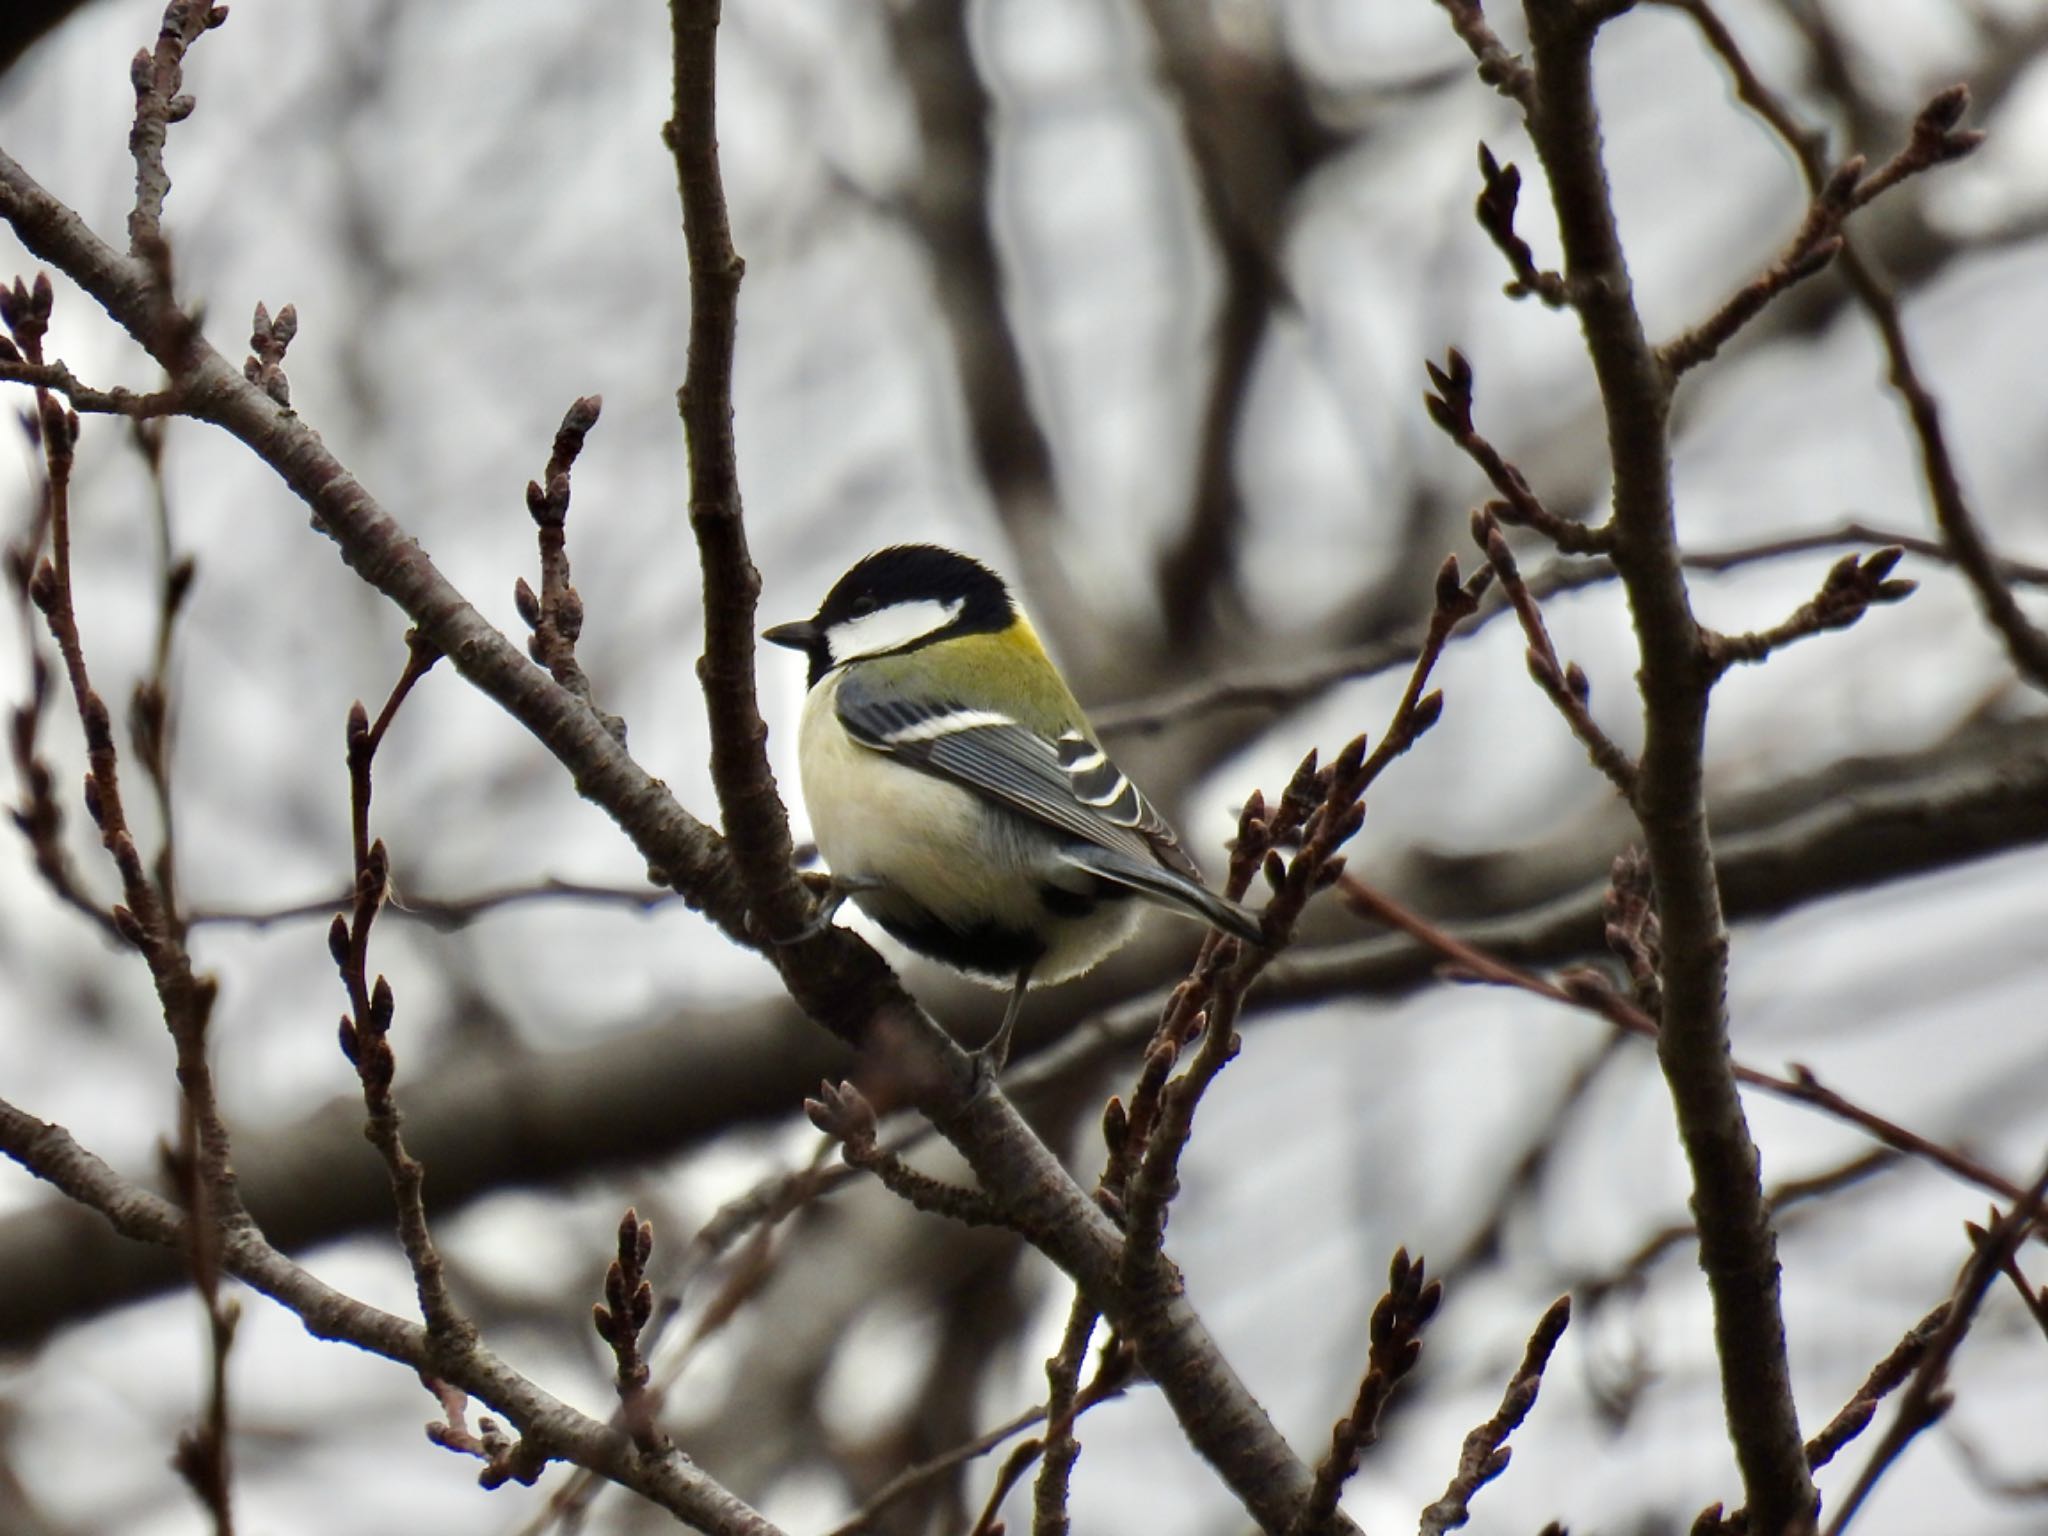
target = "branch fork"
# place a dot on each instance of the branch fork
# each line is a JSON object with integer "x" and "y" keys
{"x": 843, "y": 1112}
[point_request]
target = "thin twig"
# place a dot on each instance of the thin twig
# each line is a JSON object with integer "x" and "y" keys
{"x": 1989, "y": 1478}
{"x": 1323, "y": 808}
{"x": 40, "y": 816}
{"x": 1502, "y": 70}
{"x": 1565, "y": 685}
{"x": 2025, "y": 642}
{"x": 1782, "y": 1198}
{"x": 1058, "y": 1447}
{"x": 753, "y": 1217}
{"x": 202, "y": 1457}
{"x": 910, "y": 1479}
{"x": 1451, "y": 409}
{"x": 1011, "y": 1473}
{"x": 549, "y": 1429}
{"x": 556, "y": 615}
{"x": 1851, "y": 589}
{"x": 1520, "y": 1180}
{"x": 1113, "y": 1374}
{"x": 1816, "y": 242}
{"x": 2035, "y": 1297}
{"x": 57, "y": 378}
{"x": 443, "y": 914}
{"x": 843, "y": 1113}
{"x": 1485, "y": 1453}
{"x": 158, "y": 75}
{"x": 1398, "y": 1318}
{"x": 144, "y": 920}
{"x": 1274, "y": 688}
{"x": 1590, "y": 992}
{"x": 366, "y": 1028}
{"x": 1883, "y": 1380}
{"x": 755, "y": 823}
{"x": 149, "y": 714}
{"x": 1927, "y": 1397}
{"x": 1935, "y": 140}
{"x": 1500, "y": 192}
{"x": 1934, "y": 137}
{"x": 627, "y": 1307}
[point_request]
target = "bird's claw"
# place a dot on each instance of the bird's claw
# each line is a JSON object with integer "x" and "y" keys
{"x": 836, "y": 889}
{"x": 990, "y": 1060}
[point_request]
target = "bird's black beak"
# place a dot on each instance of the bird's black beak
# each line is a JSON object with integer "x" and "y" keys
{"x": 799, "y": 636}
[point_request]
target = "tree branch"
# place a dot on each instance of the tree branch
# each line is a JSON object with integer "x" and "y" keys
{"x": 1934, "y": 138}
{"x": 548, "y": 1426}
{"x": 1926, "y": 1397}
{"x": 1738, "y": 1249}
{"x": 650, "y": 1092}
{"x": 1851, "y": 588}
{"x": 366, "y": 1028}
{"x": 1564, "y": 684}
{"x": 1590, "y": 991}
{"x": 756, "y": 827}
{"x": 378, "y": 550}
{"x": 1273, "y": 688}
{"x": 840, "y": 981}
{"x": 1504, "y": 71}
{"x": 1485, "y": 1453}
{"x": 1398, "y": 1319}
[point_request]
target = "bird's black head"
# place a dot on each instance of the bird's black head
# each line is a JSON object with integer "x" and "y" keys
{"x": 896, "y": 600}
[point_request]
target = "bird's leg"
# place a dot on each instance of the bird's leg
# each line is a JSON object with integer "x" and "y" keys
{"x": 837, "y": 889}
{"x": 994, "y": 1056}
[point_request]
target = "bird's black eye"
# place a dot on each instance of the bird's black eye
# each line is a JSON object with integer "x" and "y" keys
{"x": 863, "y": 606}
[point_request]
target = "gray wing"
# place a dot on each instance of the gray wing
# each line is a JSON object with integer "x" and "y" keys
{"x": 1067, "y": 783}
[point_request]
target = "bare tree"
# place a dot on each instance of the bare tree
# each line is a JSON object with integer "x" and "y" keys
{"x": 996, "y": 1211}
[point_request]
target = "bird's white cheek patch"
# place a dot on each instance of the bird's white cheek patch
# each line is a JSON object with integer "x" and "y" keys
{"x": 888, "y": 628}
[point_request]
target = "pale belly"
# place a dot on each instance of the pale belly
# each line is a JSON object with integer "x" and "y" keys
{"x": 960, "y": 880}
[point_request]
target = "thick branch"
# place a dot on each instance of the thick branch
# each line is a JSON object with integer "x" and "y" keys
{"x": 1738, "y": 1249}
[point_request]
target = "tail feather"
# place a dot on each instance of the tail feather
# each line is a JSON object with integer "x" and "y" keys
{"x": 1169, "y": 888}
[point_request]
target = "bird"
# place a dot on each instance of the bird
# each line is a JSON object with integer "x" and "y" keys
{"x": 957, "y": 792}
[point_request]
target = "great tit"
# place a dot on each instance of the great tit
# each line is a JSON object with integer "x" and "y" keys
{"x": 957, "y": 791}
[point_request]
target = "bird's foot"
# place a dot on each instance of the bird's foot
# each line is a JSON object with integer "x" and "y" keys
{"x": 834, "y": 891}
{"x": 990, "y": 1060}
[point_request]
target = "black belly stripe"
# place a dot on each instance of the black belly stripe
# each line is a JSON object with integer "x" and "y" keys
{"x": 986, "y": 949}
{"x": 1062, "y": 902}
{"x": 995, "y": 949}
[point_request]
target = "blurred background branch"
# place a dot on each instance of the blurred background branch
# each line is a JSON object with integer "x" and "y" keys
{"x": 1133, "y": 300}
